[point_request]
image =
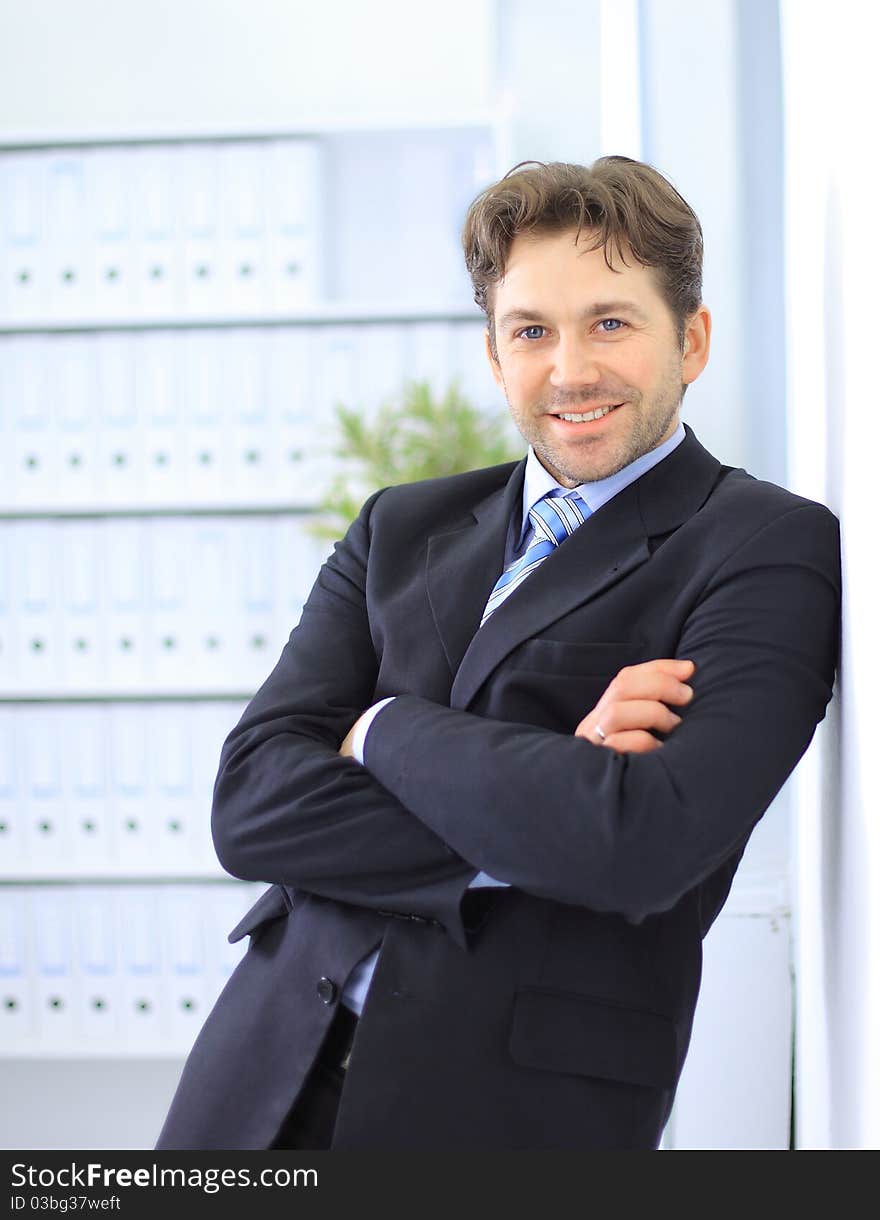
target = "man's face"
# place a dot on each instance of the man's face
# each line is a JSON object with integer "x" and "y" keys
{"x": 574, "y": 336}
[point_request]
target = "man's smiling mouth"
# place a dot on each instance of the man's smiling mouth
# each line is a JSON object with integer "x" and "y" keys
{"x": 586, "y": 416}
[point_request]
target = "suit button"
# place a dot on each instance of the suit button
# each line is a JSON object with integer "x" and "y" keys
{"x": 327, "y": 990}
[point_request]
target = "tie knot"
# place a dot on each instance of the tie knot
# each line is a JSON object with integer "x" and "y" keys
{"x": 557, "y": 515}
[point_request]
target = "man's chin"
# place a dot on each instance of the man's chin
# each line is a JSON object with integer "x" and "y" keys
{"x": 574, "y": 472}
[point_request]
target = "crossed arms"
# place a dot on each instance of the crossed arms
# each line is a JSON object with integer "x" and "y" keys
{"x": 445, "y": 793}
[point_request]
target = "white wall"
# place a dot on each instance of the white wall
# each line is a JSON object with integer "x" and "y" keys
{"x": 220, "y": 65}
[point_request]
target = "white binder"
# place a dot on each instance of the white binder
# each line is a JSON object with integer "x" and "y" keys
{"x": 183, "y": 937}
{"x": 48, "y": 832}
{"x": 251, "y": 450}
{"x": 22, "y": 238}
{"x": 131, "y": 796}
{"x": 96, "y": 982}
{"x": 32, "y": 456}
{"x": 69, "y": 243}
{"x": 157, "y": 252}
{"x": 9, "y": 636}
{"x": 142, "y": 985}
{"x": 125, "y": 603}
{"x": 87, "y": 787}
{"x": 73, "y": 387}
{"x": 109, "y": 185}
{"x": 204, "y": 417}
{"x": 35, "y": 577}
{"x": 6, "y": 434}
{"x": 292, "y": 386}
{"x": 172, "y": 639}
{"x": 13, "y": 852}
{"x": 243, "y": 273}
{"x": 80, "y": 559}
{"x": 293, "y": 176}
{"x": 216, "y": 626}
{"x": 52, "y": 915}
{"x": 172, "y": 767}
{"x": 18, "y": 1002}
{"x": 196, "y": 168}
{"x": 159, "y": 395}
{"x": 120, "y": 451}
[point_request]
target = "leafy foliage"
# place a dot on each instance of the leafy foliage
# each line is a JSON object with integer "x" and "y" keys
{"x": 416, "y": 437}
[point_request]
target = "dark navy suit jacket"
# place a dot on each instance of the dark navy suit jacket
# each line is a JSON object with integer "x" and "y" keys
{"x": 560, "y": 1017}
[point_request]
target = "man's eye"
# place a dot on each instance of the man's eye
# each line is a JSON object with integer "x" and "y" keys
{"x": 611, "y": 325}
{"x": 527, "y": 332}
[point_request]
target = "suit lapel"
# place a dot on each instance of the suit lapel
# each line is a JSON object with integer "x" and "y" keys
{"x": 463, "y": 565}
{"x": 600, "y": 552}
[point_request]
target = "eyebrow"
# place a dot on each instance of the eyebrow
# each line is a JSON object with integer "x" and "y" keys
{"x": 599, "y": 309}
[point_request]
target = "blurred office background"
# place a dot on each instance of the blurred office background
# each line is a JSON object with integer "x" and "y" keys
{"x": 216, "y": 221}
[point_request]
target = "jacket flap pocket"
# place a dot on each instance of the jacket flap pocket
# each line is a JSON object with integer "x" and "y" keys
{"x": 271, "y": 905}
{"x": 563, "y": 1032}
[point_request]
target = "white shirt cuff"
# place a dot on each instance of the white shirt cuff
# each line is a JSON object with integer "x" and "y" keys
{"x": 360, "y": 734}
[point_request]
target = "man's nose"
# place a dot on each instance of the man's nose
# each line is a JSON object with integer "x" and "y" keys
{"x": 574, "y": 363}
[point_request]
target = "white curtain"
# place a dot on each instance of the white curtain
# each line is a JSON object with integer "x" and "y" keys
{"x": 832, "y": 103}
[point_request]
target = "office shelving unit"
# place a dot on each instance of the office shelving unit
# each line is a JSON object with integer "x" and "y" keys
{"x": 179, "y": 315}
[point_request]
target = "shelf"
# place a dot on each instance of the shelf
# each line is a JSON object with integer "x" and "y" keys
{"x": 341, "y": 313}
{"x": 122, "y": 509}
{"x": 308, "y": 127}
{"x": 167, "y": 875}
{"x": 126, "y": 696}
{"x": 76, "y": 1051}
{"x": 51, "y": 875}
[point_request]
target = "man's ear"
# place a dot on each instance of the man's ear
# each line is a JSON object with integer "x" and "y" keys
{"x": 696, "y": 345}
{"x": 493, "y": 363}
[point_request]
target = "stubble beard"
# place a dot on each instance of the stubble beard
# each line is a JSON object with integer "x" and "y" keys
{"x": 591, "y": 458}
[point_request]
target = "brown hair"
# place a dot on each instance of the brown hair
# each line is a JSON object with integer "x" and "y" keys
{"x": 627, "y": 203}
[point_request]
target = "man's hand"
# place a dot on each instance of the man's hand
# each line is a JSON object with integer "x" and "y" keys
{"x": 636, "y": 701}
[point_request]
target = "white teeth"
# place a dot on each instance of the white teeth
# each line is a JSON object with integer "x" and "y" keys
{"x": 582, "y": 419}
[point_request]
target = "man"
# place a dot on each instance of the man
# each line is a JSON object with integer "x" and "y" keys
{"x": 506, "y": 766}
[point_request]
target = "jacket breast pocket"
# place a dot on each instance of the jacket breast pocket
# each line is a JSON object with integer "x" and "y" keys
{"x": 565, "y": 1032}
{"x": 274, "y": 904}
{"x": 569, "y": 659}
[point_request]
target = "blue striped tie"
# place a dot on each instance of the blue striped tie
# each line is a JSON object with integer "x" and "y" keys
{"x": 553, "y": 518}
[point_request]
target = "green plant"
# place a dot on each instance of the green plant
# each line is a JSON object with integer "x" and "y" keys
{"x": 417, "y": 436}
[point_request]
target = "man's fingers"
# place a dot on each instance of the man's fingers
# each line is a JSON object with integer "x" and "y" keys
{"x": 636, "y": 741}
{"x": 646, "y": 682}
{"x": 637, "y": 714}
{"x": 679, "y": 666}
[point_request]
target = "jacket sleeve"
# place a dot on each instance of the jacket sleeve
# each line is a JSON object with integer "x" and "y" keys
{"x": 288, "y": 808}
{"x": 631, "y": 833}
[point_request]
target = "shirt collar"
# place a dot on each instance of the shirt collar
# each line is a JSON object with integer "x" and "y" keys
{"x": 539, "y": 481}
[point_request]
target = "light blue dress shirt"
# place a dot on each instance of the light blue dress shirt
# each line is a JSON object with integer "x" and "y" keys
{"x": 538, "y": 482}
